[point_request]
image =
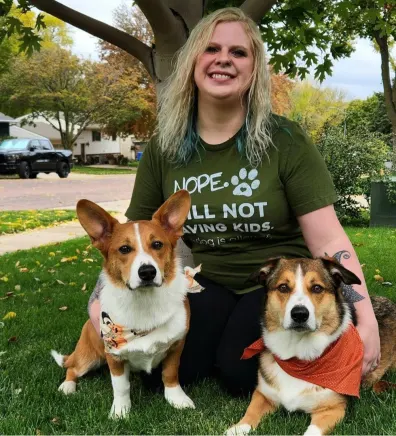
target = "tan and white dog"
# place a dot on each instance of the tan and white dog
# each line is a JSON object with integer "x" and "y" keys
{"x": 144, "y": 310}
{"x": 310, "y": 352}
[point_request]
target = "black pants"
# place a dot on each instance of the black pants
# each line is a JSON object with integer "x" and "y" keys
{"x": 222, "y": 325}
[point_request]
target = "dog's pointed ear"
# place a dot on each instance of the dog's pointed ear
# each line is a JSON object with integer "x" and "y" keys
{"x": 340, "y": 273}
{"x": 98, "y": 223}
{"x": 173, "y": 213}
{"x": 260, "y": 276}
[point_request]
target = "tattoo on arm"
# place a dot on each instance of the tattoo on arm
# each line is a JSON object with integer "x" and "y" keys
{"x": 351, "y": 296}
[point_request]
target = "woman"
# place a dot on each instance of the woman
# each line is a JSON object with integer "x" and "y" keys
{"x": 259, "y": 189}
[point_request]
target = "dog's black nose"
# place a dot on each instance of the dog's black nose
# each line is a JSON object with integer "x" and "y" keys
{"x": 299, "y": 314}
{"x": 147, "y": 272}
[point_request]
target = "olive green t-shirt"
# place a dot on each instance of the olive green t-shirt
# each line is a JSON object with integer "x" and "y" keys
{"x": 240, "y": 216}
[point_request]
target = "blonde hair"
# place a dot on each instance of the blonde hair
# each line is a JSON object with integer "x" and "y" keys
{"x": 176, "y": 127}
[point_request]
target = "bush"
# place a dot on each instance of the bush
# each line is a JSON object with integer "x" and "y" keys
{"x": 353, "y": 161}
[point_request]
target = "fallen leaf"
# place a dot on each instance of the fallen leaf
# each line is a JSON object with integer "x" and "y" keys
{"x": 55, "y": 420}
{"x": 38, "y": 263}
{"x": 17, "y": 391}
{"x": 87, "y": 260}
{"x": 9, "y": 294}
{"x": 378, "y": 278}
{"x": 52, "y": 254}
{"x": 357, "y": 244}
{"x": 12, "y": 339}
{"x": 377, "y": 271}
{"x": 38, "y": 432}
{"x": 4, "y": 279}
{"x": 362, "y": 265}
{"x": 60, "y": 282}
{"x": 81, "y": 274}
{"x": 78, "y": 251}
{"x": 24, "y": 269}
{"x": 51, "y": 271}
{"x": 17, "y": 287}
{"x": 68, "y": 259}
{"x": 63, "y": 308}
{"x": 37, "y": 279}
{"x": 17, "y": 264}
{"x": 84, "y": 287}
{"x": 9, "y": 315}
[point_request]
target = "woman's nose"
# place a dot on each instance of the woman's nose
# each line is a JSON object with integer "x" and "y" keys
{"x": 223, "y": 57}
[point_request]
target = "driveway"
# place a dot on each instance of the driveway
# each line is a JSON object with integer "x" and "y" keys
{"x": 49, "y": 191}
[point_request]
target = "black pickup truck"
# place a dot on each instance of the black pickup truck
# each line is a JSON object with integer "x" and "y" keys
{"x": 28, "y": 157}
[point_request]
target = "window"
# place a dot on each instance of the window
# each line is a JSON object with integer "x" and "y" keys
{"x": 34, "y": 143}
{"x": 96, "y": 136}
{"x": 45, "y": 145}
{"x": 114, "y": 137}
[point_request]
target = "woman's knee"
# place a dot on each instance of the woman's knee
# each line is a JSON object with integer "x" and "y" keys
{"x": 94, "y": 314}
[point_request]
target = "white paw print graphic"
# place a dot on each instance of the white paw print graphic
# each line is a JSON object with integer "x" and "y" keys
{"x": 243, "y": 186}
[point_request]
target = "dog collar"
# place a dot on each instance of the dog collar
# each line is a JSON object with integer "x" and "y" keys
{"x": 339, "y": 368}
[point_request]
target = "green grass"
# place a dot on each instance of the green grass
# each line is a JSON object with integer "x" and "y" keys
{"x": 100, "y": 171}
{"x": 30, "y": 402}
{"x": 21, "y": 220}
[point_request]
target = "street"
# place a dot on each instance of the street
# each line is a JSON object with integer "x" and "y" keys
{"x": 49, "y": 191}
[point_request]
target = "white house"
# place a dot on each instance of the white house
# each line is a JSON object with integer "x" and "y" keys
{"x": 91, "y": 145}
{"x": 9, "y": 127}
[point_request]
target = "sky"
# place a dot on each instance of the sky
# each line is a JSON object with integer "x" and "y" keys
{"x": 358, "y": 76}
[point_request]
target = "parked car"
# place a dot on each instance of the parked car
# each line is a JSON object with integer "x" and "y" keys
{"x": 28, "y": 157}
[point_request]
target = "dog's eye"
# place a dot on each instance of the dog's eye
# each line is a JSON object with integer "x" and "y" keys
{"x": 283, "y": 288}
{"x": 316, "y": 289}
{"x": 157, "y": 245}
{"x": 125, "y": 249}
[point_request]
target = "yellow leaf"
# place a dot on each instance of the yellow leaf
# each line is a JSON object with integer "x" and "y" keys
{"x": 52, "y": 254}
{"x": 17, "y": 264}
{"x": 58, "y": 281}
{"x": 38, "y": 263}
{"x": 72, "y": 284}
{"x": 81, "y": 274}
{"x": 24, "y": 269}
{"x": 84, "y": 287}
{"x": 68, "y": 259}
{"x": 78, "y": 251}
{"x": 17, "y": 287}
{"x": 9, "y": 315}
{"x": 378, "y": 278}
{"x": 87, "y": 260}
{"x": 4, "y": 279}
{"x": 377, "y": 271}
{"x": 63, "y": 308}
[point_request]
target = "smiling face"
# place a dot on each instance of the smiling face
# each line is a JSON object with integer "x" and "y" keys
{"x": 224, "y": 70}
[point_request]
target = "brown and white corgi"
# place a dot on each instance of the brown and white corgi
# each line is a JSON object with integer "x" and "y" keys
{"x": 310, "y": 352}
{"x": 144, "y": 310}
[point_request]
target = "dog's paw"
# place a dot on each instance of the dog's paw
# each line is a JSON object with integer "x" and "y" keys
{"x": 238, "y": 429}
{"x": 177, "y": 398}
{"x": 120, "y": 408}
{"x": 68, "y": 387}
{"x": 313, "y": 430}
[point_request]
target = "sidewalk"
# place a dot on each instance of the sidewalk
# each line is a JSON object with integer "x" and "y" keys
{"x": 60, "y": 233}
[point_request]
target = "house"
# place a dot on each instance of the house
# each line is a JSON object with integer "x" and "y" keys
{"x": 5, "y": 122}
{"x": 92, "y": 145}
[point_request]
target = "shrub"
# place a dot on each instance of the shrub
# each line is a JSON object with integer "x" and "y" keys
{"x": 353, "y": 161}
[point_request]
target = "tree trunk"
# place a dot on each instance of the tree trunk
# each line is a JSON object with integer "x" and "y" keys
{"x": 389, "y": 88}
{"x": 171, "y": 21}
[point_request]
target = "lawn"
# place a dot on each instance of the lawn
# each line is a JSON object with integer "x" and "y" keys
{"x": 100, "y": 171}
{"x": 48, "y": 289}
{"x": 21, "y": 220}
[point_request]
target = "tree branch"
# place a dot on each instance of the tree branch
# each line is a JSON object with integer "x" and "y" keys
{"x": 168, "y": 31}
{"x": 190, "y": 11}
{"x": 99, "y": 29}
{"x": 256, "y": 9}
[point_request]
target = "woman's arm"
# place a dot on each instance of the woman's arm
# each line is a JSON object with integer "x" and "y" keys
{"x": 324, "y": 235}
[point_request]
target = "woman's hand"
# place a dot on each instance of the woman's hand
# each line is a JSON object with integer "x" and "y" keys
{"x": 368, "y": 331}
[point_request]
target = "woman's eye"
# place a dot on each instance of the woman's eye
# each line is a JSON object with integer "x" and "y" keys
{"x": 125, "y": 249}
{"x": 239, "y": 53}
{"x": 211, "y": 49}
{"x": 316, "y": 289}
{"x": 157, "y": 245}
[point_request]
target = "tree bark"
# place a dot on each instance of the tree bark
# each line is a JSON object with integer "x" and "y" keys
{"x": 389, "y": 90}
{"x": 256, "y": 9}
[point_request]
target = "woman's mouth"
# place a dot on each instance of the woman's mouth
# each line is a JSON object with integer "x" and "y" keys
{"x": 220, "y": 77}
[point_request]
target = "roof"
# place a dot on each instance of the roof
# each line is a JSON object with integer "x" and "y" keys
{"x": 19, "y": 132}
{"x": 6, "y": 118}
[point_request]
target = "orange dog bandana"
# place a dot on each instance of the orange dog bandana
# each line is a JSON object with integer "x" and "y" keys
{"x": 339, "y": 368}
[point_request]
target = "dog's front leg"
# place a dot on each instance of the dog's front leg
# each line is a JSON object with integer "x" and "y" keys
{"x": 174, "y": 394}
{"x": 324, "y": 419}
{"x": 258, "y": 407}
{"x": 121, "y": 387}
